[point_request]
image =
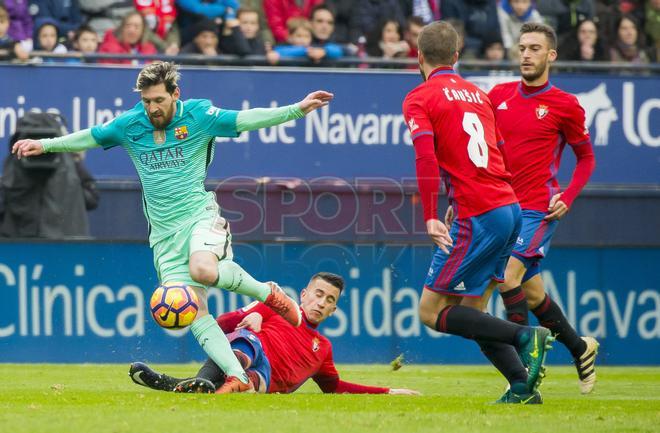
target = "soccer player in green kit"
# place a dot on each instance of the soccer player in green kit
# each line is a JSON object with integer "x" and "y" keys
{"x": 171, "y": 143}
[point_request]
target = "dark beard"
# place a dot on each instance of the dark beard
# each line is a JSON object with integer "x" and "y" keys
{"x": 533, "y": 76}
{"x": 166, "y": 120}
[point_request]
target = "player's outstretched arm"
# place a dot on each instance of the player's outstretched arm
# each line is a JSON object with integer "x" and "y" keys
{"x": 314, "y": 100}
{"x": 257, "y": 118}
{"x": 76, "y": 142}
{"x": 27, "y": 147}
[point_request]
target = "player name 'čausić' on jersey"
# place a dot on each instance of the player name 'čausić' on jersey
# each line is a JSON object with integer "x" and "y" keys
{"x": 172, "y": 162}
{"x": 459, "y": 117}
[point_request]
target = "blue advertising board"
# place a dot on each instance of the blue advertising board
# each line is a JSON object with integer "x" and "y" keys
{"x": 88, "y": 302}
{"x": 361, "y": 134}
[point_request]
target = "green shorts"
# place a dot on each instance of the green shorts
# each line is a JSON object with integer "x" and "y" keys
{"x": 172, "y": 254}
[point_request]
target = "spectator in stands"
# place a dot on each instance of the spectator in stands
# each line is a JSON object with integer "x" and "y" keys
{"x": 21, "y": 26}
{"x": 193, "y": 11}
{"x": 493, "y": 48}
{"x": 347, "y": 29}
{"x": 9, "y": 48}
{"x": 232, "y": 39}
{"x": 427, "y": 10}
{"x": 479, "y": 18}
{"x": 584, "y": 44}
{"x": 512, "y": 14}
{"x": 65, "y": 14}
{"x": 565, "y": 15}
{"x": 414, "y": 25}
{"x": 322, "y": 20}
{"x": 652, "y": 26}
{"x": 46, "y": 39}
{"x": 387, "y": 41}
{"x": 248, "y": 19}
{"x": 85, "y": 41}
{"x": 257, "y": 5}
{"x": 300, "y": 43}
{"x": 370, "y": 14}
{"x": 104, "y": 15}
{"x": 279, "y": 12}
{"x": 628, "y": 45}
{"x": 205, "y": 39}
{"x": 127, "y": 39}
{"x": 162, "y": 29}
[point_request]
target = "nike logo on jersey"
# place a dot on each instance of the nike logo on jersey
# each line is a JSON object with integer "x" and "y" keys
{"x": 502, "y": 106}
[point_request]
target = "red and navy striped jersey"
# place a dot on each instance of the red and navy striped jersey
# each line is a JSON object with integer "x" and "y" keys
{"x": 459, "y": 118}
{"x": 536, "y": 124}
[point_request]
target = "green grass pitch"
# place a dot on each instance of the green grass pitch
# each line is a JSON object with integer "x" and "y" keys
{"x": 102, "y": 398}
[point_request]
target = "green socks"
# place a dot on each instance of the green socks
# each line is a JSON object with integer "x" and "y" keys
{"x": 234, "y": 278}
{"x": 215, "y": 344}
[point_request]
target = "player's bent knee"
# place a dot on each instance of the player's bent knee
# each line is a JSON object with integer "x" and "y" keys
{"x": 428, "y": 315}
{"x": 513, "y": 275}
{"x": 203, "y": 272}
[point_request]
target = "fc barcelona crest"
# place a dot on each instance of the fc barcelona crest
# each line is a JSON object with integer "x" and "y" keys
{"x": 181, "y": 132}
{"x": 541, "y": 111}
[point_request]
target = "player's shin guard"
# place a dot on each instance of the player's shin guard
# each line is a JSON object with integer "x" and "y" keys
{"x": 515, "y": 303}
{"x": 551, "y": 317}
{"x": 215, "y": 344}
{"x": 505, "y": 358}
{"x": 476, "y": 325}
{"x": 235, "y": 279}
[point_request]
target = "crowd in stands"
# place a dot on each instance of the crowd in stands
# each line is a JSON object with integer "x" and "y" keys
{"x": 319, "y": 31}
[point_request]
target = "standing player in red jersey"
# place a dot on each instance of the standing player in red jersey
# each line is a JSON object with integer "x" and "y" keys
{"x": 453, "y": 130}
{"x": 537, "y": 120}
{"x": 277, "y": 356}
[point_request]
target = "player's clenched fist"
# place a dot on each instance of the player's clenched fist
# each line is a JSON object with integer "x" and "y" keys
{"x": 27, "y": 148}
{"x": 315, "y": 100}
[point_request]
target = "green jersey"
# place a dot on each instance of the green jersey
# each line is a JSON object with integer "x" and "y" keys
{"x": 171, "y": 163}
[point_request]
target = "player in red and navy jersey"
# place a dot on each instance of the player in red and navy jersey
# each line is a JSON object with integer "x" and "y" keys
{"x": 537, "y": 120}
{"x": 452, "y": 125}
{"x": 277, "y": 356}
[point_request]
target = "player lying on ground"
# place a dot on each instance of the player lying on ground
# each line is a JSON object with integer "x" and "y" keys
{"x": 277, "y": 356}
{"x": 537, "y": 120}
{"x": 171, "y": 143}
{"x": 452, "y": 126}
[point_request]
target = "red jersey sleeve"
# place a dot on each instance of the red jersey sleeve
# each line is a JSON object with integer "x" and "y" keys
{"x": 426, "y": 163}
{"x": 229, "y": 321}
{"x": 327, "y": 378}
{"x": 577, "y": 136}
{"x": 573, "y": 123}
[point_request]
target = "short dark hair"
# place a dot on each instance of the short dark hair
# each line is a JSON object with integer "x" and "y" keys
{"x": 245, "y": 10}
{"x": 82, "y": 29}
{"x": 155, "y": 73}
{"x": 414, "y": 20}
{"x": 321, "y": 7}
{"x": 438, "y": 42}
{"x": 330, "y": 278}
{"x": 545, "y": 29}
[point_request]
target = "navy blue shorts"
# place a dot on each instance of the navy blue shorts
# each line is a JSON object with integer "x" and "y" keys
{"x": 260, "y": 363}
{"x": 534, "y": 241}
{"x": 482, "y": 246}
